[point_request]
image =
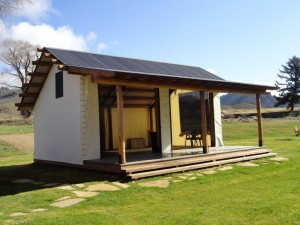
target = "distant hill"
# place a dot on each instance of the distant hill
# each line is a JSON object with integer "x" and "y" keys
{"x": 8, "y": 98}
{"x": 244, "y": 101}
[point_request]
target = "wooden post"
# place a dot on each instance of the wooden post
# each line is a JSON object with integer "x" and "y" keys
{"x": 212, "y": 119}
{"x": 110, "y": 132}
{"x": 259, "y": 121}
{"x": 203, "y": 123}
{"x": 121, "y": 145}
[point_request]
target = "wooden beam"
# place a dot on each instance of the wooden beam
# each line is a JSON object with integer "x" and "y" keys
{"x": 121, "y": 142}
{"x": 35, "y": 74}
{"x": 42, "y": 63}
{"x": 139, "y": 90}
{"x": 28, "y": 94}
{"x": 137, "y": 106}
{"x": 212, "y": 119}
{"x": 110, "y": 129}
{"x": 259, "y": 121}
{"x": 181, "y": 84}
{"x": 40, "y": 49}
{"x": 55, "y": 61}
{"x": 203, "y": 123}
{"x": 85, "y": 71}
{"x": 33, "y": 85}
{"x": 62, "y": 67}
{"x": 157, "y": 122}
{"x": 131, "y": 98}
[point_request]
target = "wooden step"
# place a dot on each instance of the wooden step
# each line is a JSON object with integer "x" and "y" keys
{"x": 188, "y": 160}
{"x": 197, "y": 166}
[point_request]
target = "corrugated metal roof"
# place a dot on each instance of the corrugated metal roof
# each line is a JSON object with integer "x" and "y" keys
{"x": 128, "y": 65}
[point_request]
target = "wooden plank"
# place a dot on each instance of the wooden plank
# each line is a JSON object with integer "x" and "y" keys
{"x": 85, "y": 71}
{"x": 182, "y": 84}
{"x": 121, "y": 142}
{"x": 38, "y": 74}
{"x": 197, "y": 166}
{"x": 191, "y": 160}
{"x": 259, "y": 121}
{"x": 212, "y": 119}
{"x": 33, "y": 85}
{"x": 101, "y": 125}
{"x": 157, "y": 120}
{"x": 110, "y": 131}
{"x": 139, "y": 90}
{"x": 203, "y": 123}
{"x": 31, "y": 95}
{"x": 131, "y": 98}
{"x": 29, "y": 105}
{"x": 41, "y": 63}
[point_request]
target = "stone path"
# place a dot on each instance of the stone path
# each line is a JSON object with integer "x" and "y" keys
{"x": 80, "y": 192}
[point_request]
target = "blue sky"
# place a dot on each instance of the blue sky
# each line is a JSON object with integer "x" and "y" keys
{"x": 239, "y": 40}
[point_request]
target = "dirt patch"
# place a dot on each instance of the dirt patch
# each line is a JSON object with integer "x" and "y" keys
{"x": 20, "y": 141}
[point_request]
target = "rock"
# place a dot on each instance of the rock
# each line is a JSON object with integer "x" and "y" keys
{"x": 250, "y": 164}
{"x": 64, "y": 198}
{"x": 39, "y": 210}
{"x": 192, "y": 178}
{"x": 183, "y": 177}
{"x": 224, "y": 168}
{"x": 18, "y": 214}
{"x": 156, "y": 183}
{"x": 177, "y": 181}
{"x": 67, "y": 203}
{"x": 122, "y": 185}
{"x": 85, "y": 194}
{"x": 167, "y": 178}
{"x": 102, "y": 187}
{"x": 22, "y": 181}
{"x": 199, "y": 174}
{"x": 279, "y": 159}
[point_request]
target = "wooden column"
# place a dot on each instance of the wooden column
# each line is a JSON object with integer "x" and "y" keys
{"x": 121, "y": 142}
{"x": 110, "y": 131}
{"x": 259, "y": 121}
{"x": 203, "y": 123}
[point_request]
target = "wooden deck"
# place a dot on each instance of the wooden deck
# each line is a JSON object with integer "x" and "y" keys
{"x": 146, "y": 164}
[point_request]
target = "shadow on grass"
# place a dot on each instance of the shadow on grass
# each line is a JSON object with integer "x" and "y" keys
{"x": 48, "y": 174}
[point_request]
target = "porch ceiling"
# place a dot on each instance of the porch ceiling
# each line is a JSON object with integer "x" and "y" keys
{"x": 140, "y": 74}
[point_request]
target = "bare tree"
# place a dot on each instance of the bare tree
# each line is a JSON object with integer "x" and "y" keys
{"x": 11, "y": 6}
{"x": 17, "y": 55}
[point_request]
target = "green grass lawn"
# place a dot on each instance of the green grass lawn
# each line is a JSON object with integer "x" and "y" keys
{"x": 268, "y": 194}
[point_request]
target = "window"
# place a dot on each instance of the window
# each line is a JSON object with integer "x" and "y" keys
{"x": 190, "y": 115}
{"x": 59, "y": 84}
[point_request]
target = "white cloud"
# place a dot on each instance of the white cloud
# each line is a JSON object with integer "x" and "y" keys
{"x": 48, "y": 36}
{"x": 101, "y": 46}
{"x": 91, "y": 37}
{"x": 37, "y": 10}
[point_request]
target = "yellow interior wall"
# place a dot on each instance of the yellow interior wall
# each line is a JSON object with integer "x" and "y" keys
{"x": 175, "y": 119}
{"x": 136, "y": 124}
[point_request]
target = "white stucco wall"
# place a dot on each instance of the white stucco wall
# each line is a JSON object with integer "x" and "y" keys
{"x": 165, "y": 120}
{"x": 57, "y": 125}
{"x": 218, "y": 120}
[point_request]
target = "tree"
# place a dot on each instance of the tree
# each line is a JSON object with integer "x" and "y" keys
{"x": 10, "y": 6}
{"x": 17, "y": 55}
{"x": 289, "y": 90}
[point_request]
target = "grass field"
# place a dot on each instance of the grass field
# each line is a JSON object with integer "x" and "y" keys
{"x": 268, "y": 194}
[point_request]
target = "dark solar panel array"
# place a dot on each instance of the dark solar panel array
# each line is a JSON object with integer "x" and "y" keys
{"x": 120, "y": 64}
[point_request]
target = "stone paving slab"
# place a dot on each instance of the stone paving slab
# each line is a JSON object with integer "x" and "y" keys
{"x": 199, "y": 174}
{"x": 102, "y": 187}
{"x": 208, "y": 172}
{"x": 18, "y": 214}
{"x": 224, "y": 168}
{"x": 248, "y": 164}
{"x": 192, "y": 178}
{"x": 183, "y": 177}
{"x": 67, "y": 203}
{"x": 64, "y": 198}
{"x": 22, "y": 181}
{"x": 177, "y": 181}
{"x": 85, "y": 194}
{"x": 65, "y": 187}
{"x": 122, "y": 185}
{"x": 1, "y": 214}
{"x": 39, "y": 210}
{"x": 167, "y": 178}
{"x": 156, "y": 183}
{"x": 50, "y": 184}
{"x": 279, "y": 159}
{"x": 188, "y": 174}
{"x": 79, "y": 185}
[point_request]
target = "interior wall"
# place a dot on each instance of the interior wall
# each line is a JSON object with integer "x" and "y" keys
{"x": 57, "y": 126}
{"x": 136, "y": 124}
